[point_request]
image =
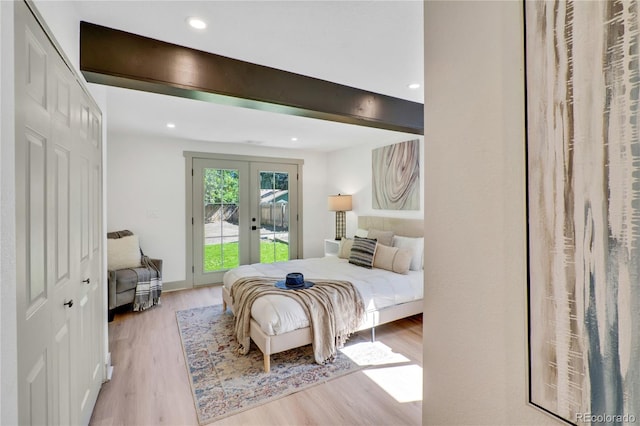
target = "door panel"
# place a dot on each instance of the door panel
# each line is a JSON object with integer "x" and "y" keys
{"x": 84, "y": 209}
{"x": 59, "y": 231}
{"x": 38, "y": 393}
{"x": 274, "y": 198}
{"x": 220, "y": 220}
{"x": 96, "y": 182}
{"x": 62, "y": 101}
{"x": 87, "y": 147}
{"x": 36, "y": 207}
{"x": 84, "y": 367}
{"x": 62, "y": 395}
{"x": 36, "y": 69}
{"x": 62, "y": 211}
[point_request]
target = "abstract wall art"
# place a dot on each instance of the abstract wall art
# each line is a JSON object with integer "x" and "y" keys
{"x": 583, "y": 190}
{"x": 396, "y": 176}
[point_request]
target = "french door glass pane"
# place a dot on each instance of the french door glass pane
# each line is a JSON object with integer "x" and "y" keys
{"x": 274, "y": 216}
{"x": 221, "y": 213}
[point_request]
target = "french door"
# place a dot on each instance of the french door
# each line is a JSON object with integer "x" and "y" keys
{"x": 220, "y": 217}
{"x": 274, "y": 207}
{"x": 242, "y": 212}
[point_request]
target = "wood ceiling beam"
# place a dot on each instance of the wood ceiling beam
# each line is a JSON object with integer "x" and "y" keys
{"x": 121, "y": 59}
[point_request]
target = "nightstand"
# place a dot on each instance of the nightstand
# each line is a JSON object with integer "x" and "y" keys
{"x": 331, "y": 247}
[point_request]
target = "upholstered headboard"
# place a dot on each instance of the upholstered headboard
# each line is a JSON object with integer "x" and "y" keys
{"x": 405, "y": 227}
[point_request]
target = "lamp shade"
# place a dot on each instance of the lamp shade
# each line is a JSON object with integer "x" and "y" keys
{"x": 339, "y": 203}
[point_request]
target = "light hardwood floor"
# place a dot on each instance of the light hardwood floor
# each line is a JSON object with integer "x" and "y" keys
{"x": 150, "y": 385}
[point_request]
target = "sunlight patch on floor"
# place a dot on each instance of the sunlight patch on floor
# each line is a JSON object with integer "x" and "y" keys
{"x": 403, "y": 383}
{"x": 373, "y": 353}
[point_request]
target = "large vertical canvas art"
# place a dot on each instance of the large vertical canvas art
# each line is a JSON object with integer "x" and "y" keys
{"x": 396, "y": 176}
{"x": 583, "y": 176}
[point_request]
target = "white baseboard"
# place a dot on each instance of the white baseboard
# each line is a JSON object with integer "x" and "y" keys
{"x": 109, "y": 373}
{"x": 182, "y": 285}
{"x": 108, "y": 368}
{"x": 175, "y": 285}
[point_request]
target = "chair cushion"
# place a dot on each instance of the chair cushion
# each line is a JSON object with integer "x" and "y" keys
{"x": 127, "y": 279}
{"x": 125, "y": 298}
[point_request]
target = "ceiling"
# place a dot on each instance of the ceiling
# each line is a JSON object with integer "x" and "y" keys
{"x": 372, "y": 45}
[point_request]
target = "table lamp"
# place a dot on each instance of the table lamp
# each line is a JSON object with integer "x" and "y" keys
{"x": 340, "y": 204}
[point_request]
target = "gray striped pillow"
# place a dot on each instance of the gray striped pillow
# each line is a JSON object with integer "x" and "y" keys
{"x": 363, "y": 252}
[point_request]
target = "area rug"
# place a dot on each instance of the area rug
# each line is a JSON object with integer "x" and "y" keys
{"x": 225, "y": 383}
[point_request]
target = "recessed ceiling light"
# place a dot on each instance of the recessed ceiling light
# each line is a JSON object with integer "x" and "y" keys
{"x": 294, "y": 139}
{"x": 414, "y": 86}
{"x": 197, "y": 23}
{"x": 171, "y": 125}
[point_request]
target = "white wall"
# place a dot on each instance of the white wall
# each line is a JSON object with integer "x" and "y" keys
{"x": 146, "y": 193}
{"x": 349, "y": 172}
{"x": 475, "y": 339}
{"x": 8, "y": 322}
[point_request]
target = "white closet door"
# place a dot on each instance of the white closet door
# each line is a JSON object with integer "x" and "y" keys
{"x": 59, "y": 327}
{"x": 86, "y": 193}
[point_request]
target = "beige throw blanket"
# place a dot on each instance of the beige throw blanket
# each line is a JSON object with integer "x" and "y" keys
{"x": 335, "y": 310}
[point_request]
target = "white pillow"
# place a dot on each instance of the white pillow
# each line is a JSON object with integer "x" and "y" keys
{"x": 362, "y": 233}
{"x": 416, "y": 245}
{"x": 123, "y": 253}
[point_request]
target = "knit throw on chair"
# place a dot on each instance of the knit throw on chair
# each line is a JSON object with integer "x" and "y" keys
{"x": 149, "y": 286}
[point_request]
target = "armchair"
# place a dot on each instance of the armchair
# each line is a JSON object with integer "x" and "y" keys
{"x": 133, "y": 278}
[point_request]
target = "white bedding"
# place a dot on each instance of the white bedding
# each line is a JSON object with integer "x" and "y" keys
{"x": 280, "y": 314}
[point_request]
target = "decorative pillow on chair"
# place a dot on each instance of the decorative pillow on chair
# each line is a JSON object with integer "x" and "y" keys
{"x": 123, "y": 253}
{"x": 363, "y": 251}
{"x": 383, "y": 237}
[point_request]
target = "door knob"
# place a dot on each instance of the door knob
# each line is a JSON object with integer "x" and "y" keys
{"x": 88, "y": 280}
{"x": 69, "y": 303}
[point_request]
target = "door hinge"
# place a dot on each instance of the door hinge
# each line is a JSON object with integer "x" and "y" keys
{"x": 191, "y": 172}
{"x": 192, "y": 221}
{"x": 193, "y": 269}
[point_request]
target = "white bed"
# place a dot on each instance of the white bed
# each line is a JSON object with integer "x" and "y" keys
{"x": 279, "y": 323}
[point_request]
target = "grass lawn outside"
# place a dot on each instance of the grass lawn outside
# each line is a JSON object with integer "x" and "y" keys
{"x": 226, "y": 256}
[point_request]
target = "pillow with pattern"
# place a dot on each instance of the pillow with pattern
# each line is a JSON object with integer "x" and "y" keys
{"x": 363, "y": 252}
